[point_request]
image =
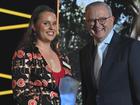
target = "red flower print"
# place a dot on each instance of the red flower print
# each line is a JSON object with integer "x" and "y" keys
{"x": 20, "y": 82}
{"x": 13, "y": 84}
{"x": 14, "y": 56}
{"x": 30, "y": 56}
{"x": 45, "y": 83}
{"x": 53, "y": 94}
{"x": 37, "y": 83}
{"x": 32, "y": 102}
{"x": 20, "y": 53}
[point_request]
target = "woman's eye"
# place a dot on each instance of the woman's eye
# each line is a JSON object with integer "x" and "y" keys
{"x": 54, "y": 23}
{"x": 47, "y": 23}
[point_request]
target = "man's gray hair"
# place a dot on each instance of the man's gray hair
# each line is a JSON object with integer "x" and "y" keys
{"x": 97, "y": 3}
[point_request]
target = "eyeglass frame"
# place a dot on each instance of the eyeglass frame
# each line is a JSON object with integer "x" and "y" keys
{"x": 102, "y": 22}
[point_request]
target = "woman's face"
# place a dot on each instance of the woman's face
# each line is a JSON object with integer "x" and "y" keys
{"x": 46, "y": 27}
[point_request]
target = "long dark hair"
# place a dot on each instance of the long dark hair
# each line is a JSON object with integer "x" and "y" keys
{"x": 30, "y": 37}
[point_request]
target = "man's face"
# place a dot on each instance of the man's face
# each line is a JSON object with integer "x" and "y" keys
{"x": 99, "y": 22}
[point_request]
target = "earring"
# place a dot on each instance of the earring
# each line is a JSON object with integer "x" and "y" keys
{"x": 34, "y": 33}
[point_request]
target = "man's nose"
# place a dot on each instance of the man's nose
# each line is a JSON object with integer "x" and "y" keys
{"x": 96, "y": 23}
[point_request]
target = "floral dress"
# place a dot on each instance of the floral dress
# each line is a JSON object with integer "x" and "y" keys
{"x": 32, "y": 82}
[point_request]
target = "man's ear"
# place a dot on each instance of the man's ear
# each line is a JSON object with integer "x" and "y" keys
{"x": 112, "y": 19}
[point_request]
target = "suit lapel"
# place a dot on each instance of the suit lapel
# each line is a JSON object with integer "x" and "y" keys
{"x": 113, "y": 49}
{"x": 90, "y": 61}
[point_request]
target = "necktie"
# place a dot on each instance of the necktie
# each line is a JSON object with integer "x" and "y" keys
{"x": 98, "y": 60}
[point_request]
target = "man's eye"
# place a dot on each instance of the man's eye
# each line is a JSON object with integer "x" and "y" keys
{"x": 102, "y": 19}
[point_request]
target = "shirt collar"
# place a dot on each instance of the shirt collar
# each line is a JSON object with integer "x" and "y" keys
{"x": 107, "y": 40}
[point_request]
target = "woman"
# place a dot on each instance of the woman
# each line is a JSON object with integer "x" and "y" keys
{"x": 37, "y": 67}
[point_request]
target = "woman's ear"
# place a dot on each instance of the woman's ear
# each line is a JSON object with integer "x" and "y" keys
{"x": 33, "y": 28}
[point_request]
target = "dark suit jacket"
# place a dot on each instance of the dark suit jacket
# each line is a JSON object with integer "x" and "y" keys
{"x": 120, "y": 73}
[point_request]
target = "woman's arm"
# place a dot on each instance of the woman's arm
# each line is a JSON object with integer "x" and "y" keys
{"x": 21, "y": 65}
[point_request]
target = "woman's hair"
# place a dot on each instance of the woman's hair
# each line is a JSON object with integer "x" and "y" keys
{"x": 29, "y": 38}
{"x": 138, "y": 25}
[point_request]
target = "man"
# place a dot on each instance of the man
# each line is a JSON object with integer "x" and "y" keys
{"x": 116, "y": 81}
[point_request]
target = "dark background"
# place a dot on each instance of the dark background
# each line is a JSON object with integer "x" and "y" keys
{"x": 9, "y": 38}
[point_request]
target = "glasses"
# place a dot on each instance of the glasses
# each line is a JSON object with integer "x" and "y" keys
{"x": 101, "y": 20}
